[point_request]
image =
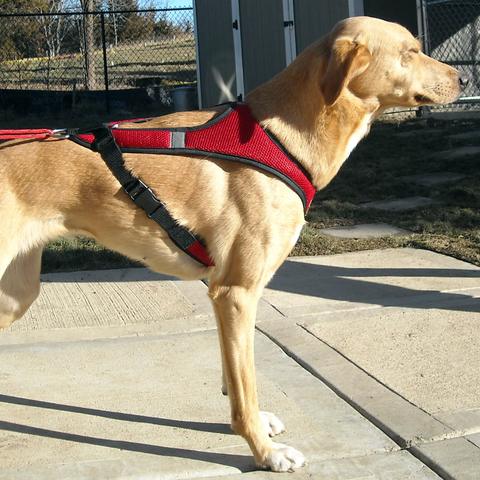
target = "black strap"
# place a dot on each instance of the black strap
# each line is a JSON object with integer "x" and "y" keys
{"x": 107, "y": 147}
{"x": 139, "y": 192}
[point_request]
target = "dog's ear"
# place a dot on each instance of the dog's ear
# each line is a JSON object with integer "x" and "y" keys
{"x": 347, "y": 60}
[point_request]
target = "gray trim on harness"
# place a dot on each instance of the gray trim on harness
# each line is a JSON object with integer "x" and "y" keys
{"x": 177, "y": 140}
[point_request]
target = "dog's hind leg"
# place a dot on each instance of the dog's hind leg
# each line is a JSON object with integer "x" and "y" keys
{"x": 19, "y": 285}
{"x": 21, "y": 244}
{"x": 235, "y": 307}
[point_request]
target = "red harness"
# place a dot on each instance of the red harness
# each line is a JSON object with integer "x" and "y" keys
{"x": 233, "y": 135}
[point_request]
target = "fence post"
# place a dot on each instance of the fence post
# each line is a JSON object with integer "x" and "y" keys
{"x": 105, "y": 66}
{"x": 423, "y": 14}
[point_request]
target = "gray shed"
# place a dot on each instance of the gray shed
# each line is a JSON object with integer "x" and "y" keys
{"x": 244, "y": 43}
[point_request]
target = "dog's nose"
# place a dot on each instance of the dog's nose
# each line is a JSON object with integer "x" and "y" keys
{"x": 463, "y": 80}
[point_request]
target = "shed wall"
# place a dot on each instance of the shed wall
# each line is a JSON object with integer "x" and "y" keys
{"x": 315, "y": 19}
{"x": 404, "y": 12}
{"x": 263, "y": 41}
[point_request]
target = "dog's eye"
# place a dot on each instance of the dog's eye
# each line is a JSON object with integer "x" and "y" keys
{"x": 408, "y": 56}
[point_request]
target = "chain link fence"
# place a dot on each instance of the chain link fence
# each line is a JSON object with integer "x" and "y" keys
{"x": 452, "y": 36}
{"x": 116, "y": 59}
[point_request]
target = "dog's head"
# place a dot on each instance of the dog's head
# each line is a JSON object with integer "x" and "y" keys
{"x": 382, "y": 61}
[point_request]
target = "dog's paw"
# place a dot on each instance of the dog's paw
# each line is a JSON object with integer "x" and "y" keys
{"x": 273, "y": 426}
{"x": 284, "y": 459}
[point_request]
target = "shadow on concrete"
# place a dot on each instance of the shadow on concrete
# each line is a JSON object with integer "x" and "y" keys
{"x": 243, "y": 463}
{"x": 348, "y": 284}
{"x": 222, "y": 428}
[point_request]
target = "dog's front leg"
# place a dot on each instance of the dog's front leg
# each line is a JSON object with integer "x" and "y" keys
{"x": 235, "y": 307}
{"x": 272, "y": 425}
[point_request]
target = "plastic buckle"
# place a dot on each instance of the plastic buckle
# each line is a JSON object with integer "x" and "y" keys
{"x": 135, "y": 189}
{"x": 143, "y": 196}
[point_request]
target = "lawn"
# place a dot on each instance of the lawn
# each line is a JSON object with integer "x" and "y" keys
{"x": 169, "y": 62}
{"x": 374, "y": 171}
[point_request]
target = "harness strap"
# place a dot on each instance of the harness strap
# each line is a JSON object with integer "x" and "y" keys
{"x": 143, "y": 196}
{"x": 27, "y": 133}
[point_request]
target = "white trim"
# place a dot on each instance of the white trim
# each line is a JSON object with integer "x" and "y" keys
{"x": 290, "y": 41}
{"x": 355, "y": 8}
{"x": 197, "y": 53}
{"x": 237, "y": 47}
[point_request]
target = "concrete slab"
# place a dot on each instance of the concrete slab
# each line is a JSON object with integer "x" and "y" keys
{"x": 107, "y": 298}
{"x": 367, "y": 283}
{"x": 428, "y": 342}
{"x": 339, "y": 339}
{"x": 98, "y": 304}
{"x": 391, "y": 466}
{"x": 150, "y": 407}
{"x": 399, "y": 204}
{"x": 412, "y": 428}
{"x": 123, "y": 302}
{"x": 371, "y": 230}
{"x": 394, "y": 466}
{"x": 465, "y": 135}
{"x": 427, "y": 179}
{"x": 458, "y": 153}
{"x": 406, "y": 424}
{"x": 475, "y": 439}
{"x": 407, "y": 352}
{"x": 456, "y": 458}
{"x": 467, "y": 421}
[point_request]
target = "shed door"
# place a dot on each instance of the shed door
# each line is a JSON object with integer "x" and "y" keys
{"x": 216, "y": 74}
{"x": 262, "y": 39}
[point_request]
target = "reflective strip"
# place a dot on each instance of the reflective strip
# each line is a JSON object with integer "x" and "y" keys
{"x": 177, "y": 140}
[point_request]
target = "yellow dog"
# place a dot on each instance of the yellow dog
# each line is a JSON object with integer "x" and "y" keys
{"x": 318, "y": 108}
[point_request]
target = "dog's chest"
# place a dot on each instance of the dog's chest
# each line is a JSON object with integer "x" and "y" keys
{"x": 297, "y": 233}
{"x": 357, "y": 135}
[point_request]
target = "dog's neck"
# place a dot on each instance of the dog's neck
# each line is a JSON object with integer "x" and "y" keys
{"x": 321, "y": 138}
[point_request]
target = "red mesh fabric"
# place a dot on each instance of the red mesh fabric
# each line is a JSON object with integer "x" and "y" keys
{"x": 142, "y": 138}
{"x": 135, "y": 138}
{"x": 88, "y": 137}
{"x": 200, "y": 252}
{"x": 240, "y": 135}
